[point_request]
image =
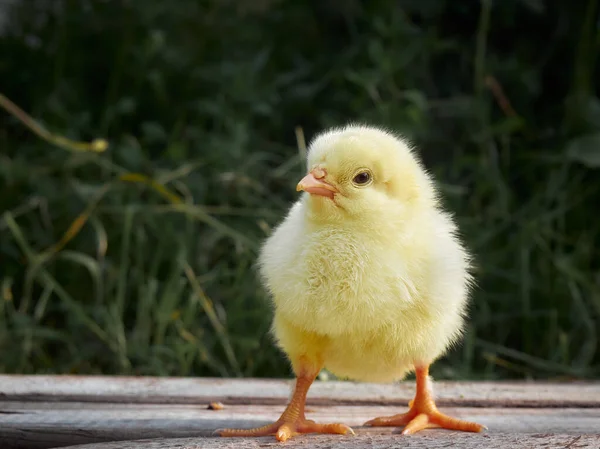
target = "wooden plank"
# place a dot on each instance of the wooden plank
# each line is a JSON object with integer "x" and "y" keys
{"x": 275, "y": 391}
{"x": 42, "y": 425}
{"x": 433, "y": 440}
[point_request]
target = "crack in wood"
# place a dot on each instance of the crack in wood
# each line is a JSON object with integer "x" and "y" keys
{"x": 319, "y": 401}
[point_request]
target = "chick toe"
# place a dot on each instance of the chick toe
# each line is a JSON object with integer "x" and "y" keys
{"x": 401, "y": 419}
{"x": 438, "y": 419}
{"x": 269, "y": 429}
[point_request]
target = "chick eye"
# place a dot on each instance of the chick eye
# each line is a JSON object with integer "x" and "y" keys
{"x": 362, "y": 178}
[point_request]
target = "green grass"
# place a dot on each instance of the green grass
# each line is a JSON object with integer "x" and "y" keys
{"x": 141, "y": 259}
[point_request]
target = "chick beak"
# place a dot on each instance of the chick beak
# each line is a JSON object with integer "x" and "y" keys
{"x": 313, "y": 183}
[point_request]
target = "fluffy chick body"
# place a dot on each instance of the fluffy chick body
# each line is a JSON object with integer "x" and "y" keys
{"x": 369, "y": 292}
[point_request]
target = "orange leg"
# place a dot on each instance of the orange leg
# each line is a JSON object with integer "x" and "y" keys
{"x": 423, "y": 412}
{"x": 292, "y": 422}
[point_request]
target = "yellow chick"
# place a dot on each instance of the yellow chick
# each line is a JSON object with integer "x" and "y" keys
{"x": 367, "y": 275}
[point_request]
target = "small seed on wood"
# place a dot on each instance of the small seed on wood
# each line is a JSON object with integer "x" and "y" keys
{"x": 215, "y": 406}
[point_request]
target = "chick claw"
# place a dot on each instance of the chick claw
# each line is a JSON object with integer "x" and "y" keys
{"x": 285, "y": 429}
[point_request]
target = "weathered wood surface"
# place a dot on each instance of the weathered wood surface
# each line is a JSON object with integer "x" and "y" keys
{"x": 431, "y": 439}
{"x": 267, "y": 391}
{"x": 57, "y": 411}
{"x": 43, "y": 425}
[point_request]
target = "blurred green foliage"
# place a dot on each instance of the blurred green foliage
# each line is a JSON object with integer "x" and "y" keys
{"x": 200, "y": 100}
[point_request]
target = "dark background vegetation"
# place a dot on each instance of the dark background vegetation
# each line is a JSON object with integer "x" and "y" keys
{"x": 141, "y": 259}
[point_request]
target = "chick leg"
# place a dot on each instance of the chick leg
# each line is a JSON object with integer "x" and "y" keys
{"x": 292, "y": 422}
{"x": 423, "y": 412}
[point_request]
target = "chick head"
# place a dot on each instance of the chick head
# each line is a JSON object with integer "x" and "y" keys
{"x": 357, "y": 170}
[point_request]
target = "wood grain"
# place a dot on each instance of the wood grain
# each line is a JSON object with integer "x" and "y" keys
{"x": 275, "y": 391}
{"x": 431, "y": 440}
{"x": 44, "y": 425}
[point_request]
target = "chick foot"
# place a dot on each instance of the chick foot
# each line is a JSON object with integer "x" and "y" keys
{"x": 292, "y": 422}
{"x": 423, "y": 413}
{"x": 284, "y": 429}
